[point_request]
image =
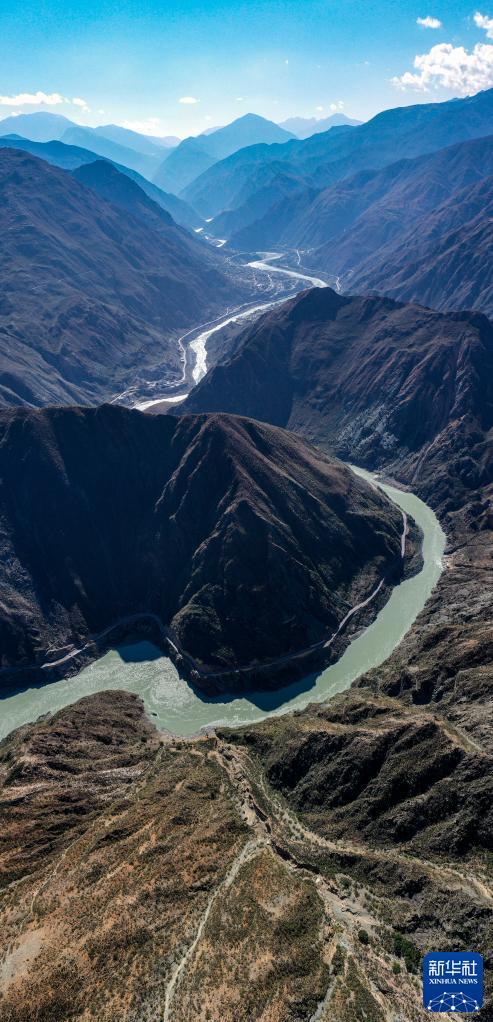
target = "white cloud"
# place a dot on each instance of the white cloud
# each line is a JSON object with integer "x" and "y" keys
{"x": 464, "y": 72}
{"x": 239, "y": 99}
{"x": 429, "y": 22}
{"x": 320, "y": 109}
{"x": 77, "y": 101}
{"x": 337, "y": 106}
{"x": 188, "y": 100}
{"x": 33, "y": 99}
{"x": 150, "y": 126}
{"x": 43, "y": 99}
{"x": 483, "y": 22}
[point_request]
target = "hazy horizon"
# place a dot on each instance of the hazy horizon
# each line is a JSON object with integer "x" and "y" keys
{"x": 180, "y": 72}
{"x": 105, "y": 123}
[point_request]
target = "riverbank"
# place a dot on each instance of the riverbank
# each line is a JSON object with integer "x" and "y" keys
{"x": 194, "y": 344}
{"x": 177, "y": 706}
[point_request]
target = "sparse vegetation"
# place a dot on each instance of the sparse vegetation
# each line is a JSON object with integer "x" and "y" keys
{"x": 404, "y": 948}
{"x": 136, "y": 882}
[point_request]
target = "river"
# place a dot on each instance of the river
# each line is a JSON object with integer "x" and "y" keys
{"x": 140, "y": 667}
{"x": 199, "y": 345}
{"x": 195, "y": 351}
{"x": 175, "y": 706}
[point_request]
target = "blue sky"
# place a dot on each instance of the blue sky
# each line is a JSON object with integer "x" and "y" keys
{"x": 134, "y": 61}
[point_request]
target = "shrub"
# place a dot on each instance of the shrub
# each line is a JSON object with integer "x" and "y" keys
{"x": 404, "y": 948}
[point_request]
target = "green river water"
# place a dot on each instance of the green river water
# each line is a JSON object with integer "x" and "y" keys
{"x": 140, "y": 667}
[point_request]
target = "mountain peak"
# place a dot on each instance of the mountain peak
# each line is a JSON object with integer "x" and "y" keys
{"x": 39, "y": 127}
{"x": 197, "y": 154}
{"x": 208, "y": 502}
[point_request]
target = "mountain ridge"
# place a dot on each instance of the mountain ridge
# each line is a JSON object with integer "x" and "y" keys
{"x": 225, "y": 519}
{"x": 379, "y": 203}
{"x": 72, "y": 157}
{"x": 331, "y": 156}
{"x": 108, "y": 294}
{"x": 196, "y": 154}
{"x": 87, "y": 138}
{"x": 445, "y": 260}
{"x": 380, "y": 382}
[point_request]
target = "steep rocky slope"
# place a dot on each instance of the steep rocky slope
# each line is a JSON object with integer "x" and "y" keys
{"x": 409, "y": 391}
{"x": 242, "y": 538}
{"x": 363, "y": 768}
{"x": 376, "y": 381}
{"x": 92, "y": 295}
{"x": 444, "y": 260}
{"x": 342, "y": 226}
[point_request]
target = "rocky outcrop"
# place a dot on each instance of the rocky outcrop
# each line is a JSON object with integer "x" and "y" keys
{"x": 381, "y": 383}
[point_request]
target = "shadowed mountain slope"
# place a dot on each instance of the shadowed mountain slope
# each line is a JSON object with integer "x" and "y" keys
{"x": 70, "y": 157}
{"x": 349, "y": 222}
{"x": 409, "y": 391}
{"x": 445, "y": 260}
{"x": 249, "y": 543}
{"x": 376, "y": 381}
{"x": 91, "y": 293}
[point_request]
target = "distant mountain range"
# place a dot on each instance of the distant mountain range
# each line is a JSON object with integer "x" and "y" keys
{"x": 39, "y": 127}
{"x": 134, "y": 140}
{"x": 147, "y": 156}
{"x": 195, "y": 155}
{"x": 47, "y": 127}
{"x": 417, "y": 229}
{"x": 303, "y": 127}
{"x": 316, "y": 163}
{"x": 94, "y": 291}
{"x": 87, "y": 138}
{"x": 141, "y": 153}
{"x": 214, "y": 523}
